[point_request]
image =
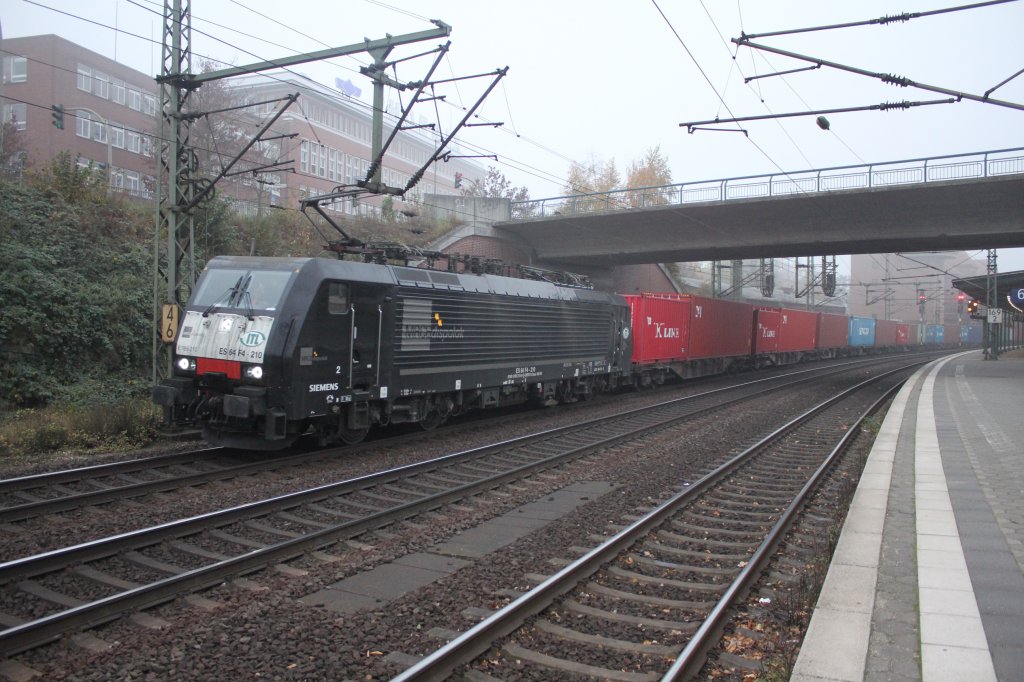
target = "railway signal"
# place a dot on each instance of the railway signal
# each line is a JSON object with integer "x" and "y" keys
{"x": 972, "y": 309}
{"x": 57, "y": 112}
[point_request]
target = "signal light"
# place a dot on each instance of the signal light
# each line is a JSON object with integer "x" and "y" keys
{"x": 458, "y": 180}
{"x": 961, "y": 296}
{"x": 57, "y": 112}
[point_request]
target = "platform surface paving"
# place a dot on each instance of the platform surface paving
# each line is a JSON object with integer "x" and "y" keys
{"x": 927, "y": 582}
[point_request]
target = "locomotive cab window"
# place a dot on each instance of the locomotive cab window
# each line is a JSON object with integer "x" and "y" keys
{"x": 258, "y": 290}
{"x": 337, "y": 298}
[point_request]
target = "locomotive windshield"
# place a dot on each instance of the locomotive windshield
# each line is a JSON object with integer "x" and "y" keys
{"x": 240, "y": 288}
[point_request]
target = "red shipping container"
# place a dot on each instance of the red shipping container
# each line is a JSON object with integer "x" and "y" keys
{"x": 915, "y": 334}
{"x": 719, "y": 328}
{"x": 833, "y": 330}
{"x": 798, "y": 331}
{"x": 661, "y": 326}
{"x": 767, "y": 328}
{"x": 886, "y": 332}
{"x": 902, "y": 334}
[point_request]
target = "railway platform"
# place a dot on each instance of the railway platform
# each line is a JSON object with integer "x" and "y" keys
{"x": 927, "y": 581}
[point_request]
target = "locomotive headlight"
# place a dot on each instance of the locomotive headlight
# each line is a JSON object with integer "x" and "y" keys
{"x": 186, "y": 364}
{"x": 254, "y": 372}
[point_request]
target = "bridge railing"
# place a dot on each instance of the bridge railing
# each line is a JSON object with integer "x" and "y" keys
{"x": 864, "y": 176}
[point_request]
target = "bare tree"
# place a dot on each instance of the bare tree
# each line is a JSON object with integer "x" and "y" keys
{"x": 596, "y": 179}
{"x": 496, "y": 185}
{"x": 218, "y": 137}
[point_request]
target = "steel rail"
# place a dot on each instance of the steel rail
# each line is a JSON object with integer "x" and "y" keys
{"x": 41, "y": 630}
{"x": 28, "y": 510}
{"x": 45, "y": 562}
{"x": 689, "y": 662}
{"x": 478, "y": 639}
{"x": 98, "y": 470}
{"x": 104, "y": 494}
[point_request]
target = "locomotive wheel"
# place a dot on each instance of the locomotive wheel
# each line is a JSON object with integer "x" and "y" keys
{"x": 432, "y": 420}
{"x": 352, "y": 436}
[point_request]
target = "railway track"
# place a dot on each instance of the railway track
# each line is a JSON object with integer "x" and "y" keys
{"x": 650, "y": 602}
{"x": 46, "y": 595}
{"x": 28, "y": 497}
{"x": 36, "y": 495}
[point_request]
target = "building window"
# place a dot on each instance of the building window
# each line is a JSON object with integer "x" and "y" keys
{"x": 149, "y": 105}
{"x": 99, "y": 132}
{"x": 147, "y": 146}
{"x": 117, "y": 178}
{"x": 117, "y": 135}
{"x": 83, "y": 124}
{"x": 16, "y": 114}
{"x": 314, "y": 158}
{"x": 134, "y": 99}
{"x": 132, "y": 181}
{"x": 133, "y": 140}
{"x": 304, "y": 156}
{"x": 84, "y": 78}
{"x": 117, "y": 91}
{"x": 15, "y": 69}
{"x": 101, "y": 85}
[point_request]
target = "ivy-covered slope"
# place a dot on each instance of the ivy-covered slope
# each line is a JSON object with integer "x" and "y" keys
{"x": 76, "y": 288}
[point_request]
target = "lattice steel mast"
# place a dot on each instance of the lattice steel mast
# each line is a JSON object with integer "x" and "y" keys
{"x": 179, "y": 187}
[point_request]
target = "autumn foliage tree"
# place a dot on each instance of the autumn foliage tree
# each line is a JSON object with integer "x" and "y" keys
{"x": 649, "y": 171}
{"x": 601, "y": 181}
{"x": 595, "y": 178}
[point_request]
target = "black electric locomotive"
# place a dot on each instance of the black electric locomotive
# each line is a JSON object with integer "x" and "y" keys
{"x": 272, "y": 348}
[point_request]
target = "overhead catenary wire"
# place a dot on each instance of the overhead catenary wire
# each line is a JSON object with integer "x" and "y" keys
{"x": 888, "y": 19}
{"x": 541, "y": 175}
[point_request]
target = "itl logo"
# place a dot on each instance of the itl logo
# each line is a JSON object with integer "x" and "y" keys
{"x": 252, "y": 339}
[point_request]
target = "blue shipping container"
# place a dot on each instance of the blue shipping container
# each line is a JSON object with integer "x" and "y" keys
{"x": 970, "y": 334}
{"x": 862, "y": 331}
{"x": 933, "y": 334}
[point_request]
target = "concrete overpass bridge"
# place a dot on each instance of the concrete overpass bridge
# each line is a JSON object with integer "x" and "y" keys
{"x": 969, "y": 201}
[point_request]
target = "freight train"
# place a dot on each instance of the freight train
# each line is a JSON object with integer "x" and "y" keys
{"x": 271, "y": 349}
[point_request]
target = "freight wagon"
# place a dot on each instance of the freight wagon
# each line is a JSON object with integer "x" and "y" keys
{"x": 687, "y": 336}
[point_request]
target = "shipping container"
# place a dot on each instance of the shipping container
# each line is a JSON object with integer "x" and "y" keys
{"x": 933, "y": 334}
{"x": 720, "y": 328}
{"x": 903, "y": 334}
{"x": 861, "y": 332}
{"x": 886, "y": 333}
{"x": 767, "y": 325}
{"x": 915, "y": 334}
{"x": 971, "y": 334}
{"x": 833, "y": 331}
{"x": 798, "y": 331}
{"x": 661, "y": 327}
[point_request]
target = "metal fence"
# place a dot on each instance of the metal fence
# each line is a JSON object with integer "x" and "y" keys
{"x": 888, "y": 174}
